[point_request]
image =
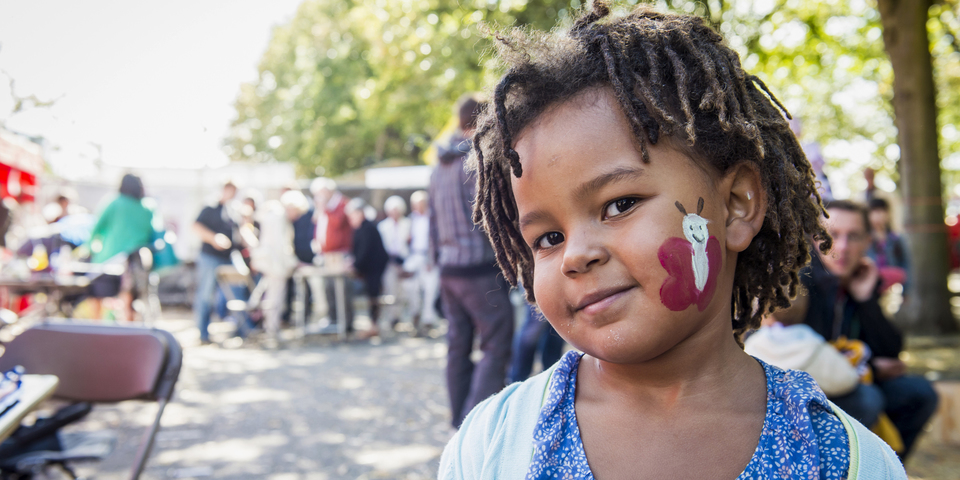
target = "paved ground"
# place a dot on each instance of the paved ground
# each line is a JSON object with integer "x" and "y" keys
{"x": 311, "y": 410}
{"x": 318, "y": 409}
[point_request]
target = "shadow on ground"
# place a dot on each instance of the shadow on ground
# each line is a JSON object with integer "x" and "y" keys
{"x": 315, "y": 409}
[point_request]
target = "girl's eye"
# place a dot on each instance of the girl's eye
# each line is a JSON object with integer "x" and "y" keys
{"x": 619, "y": 206}
{"x": 549, "y": 240}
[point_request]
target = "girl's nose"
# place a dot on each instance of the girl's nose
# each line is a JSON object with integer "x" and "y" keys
{"x": 582, "y": 252}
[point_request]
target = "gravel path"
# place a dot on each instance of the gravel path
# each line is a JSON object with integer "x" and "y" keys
{"x": 314, "y": 409}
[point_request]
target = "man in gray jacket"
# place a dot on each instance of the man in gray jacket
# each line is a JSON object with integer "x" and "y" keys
{"x": 474, "y": 294}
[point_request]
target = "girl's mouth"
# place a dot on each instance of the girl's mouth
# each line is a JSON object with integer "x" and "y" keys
{"x": 599, "y": 300}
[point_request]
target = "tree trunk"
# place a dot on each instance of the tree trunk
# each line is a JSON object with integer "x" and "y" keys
{"x": 927, "y": 309}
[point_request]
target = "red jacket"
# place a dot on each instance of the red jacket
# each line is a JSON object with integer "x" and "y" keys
{"x": 339, "y": 234}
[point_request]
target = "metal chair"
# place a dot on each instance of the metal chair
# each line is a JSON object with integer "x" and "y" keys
{"x": 97, "y": 364}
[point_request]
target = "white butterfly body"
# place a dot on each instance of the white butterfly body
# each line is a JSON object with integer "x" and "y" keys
{"x": 695, "y": 229}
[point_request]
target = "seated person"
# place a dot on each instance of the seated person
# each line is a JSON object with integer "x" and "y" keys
{"x": 842, "y": 301}
{"x": 783, "y": 342}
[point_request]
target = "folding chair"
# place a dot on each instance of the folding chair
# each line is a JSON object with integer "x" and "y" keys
{"x": 97, "y": 364}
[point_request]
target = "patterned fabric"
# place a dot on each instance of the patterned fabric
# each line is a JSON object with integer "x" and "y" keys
{"x": 455, "y": 240}
{"x": 801, "y": 437}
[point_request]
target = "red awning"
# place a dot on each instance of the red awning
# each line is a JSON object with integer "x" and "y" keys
{"x": 21, "y": 161}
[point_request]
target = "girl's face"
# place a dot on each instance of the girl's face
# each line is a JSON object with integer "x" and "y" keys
{"x": 601, "y": 223}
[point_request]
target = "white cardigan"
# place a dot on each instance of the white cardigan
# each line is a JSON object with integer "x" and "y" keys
{"x": 495, "y": 441}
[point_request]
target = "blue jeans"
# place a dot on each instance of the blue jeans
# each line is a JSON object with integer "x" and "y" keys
{"x": 909, "y": 401}
{"x": 535, "y": 334}
{"x": 203, "y": 301}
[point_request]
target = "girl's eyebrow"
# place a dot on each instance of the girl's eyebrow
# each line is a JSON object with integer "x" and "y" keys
{"x": 618, "y": 174}
{"x": 533, "y": 217}
{"x": 587, "y": 188}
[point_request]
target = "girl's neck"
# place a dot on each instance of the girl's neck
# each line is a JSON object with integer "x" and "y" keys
{"x": 705, "y": 367}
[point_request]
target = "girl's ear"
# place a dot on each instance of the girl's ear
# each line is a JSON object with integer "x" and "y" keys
{"x": 746, "y": 205}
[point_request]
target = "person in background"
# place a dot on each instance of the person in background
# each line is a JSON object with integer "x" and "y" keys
{"x": 842, "y": 301}
{"x": 304, "y": 231}
{"x": 64, "y": 200}
{"x": 62, "y": 206}
{"x": 334, "y": 237}
{"x": 395, "y": 233}
{"x": 274, "y": 257}
{"x": 217, "y": 229}
{"x": 427, "y": 277}
{"x": 785, "y": 341}
{"x": 369, "y": 260}
{"x": 815, "y": 156}
{"x": 249, "y": 226}
{"x": 122, "y": 228}
{"x": 475, "y": 296}
{"x": 887, "y": 249}
{"x": 536, "y": 334}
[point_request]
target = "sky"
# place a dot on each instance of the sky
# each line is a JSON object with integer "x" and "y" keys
{"x": 141, "y": 83}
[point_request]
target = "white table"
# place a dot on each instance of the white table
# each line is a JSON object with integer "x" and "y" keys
{"x": 339, "y": 278}
{"x": 35, "y": 389}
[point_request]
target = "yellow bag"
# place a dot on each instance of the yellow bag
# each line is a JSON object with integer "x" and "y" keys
{"x": 887, "y": 431}
{"x": 857, "y": 352}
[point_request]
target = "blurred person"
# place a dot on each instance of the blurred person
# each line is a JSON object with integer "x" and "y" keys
{"x": 304, "y": 230}
{"x": 122, "y": 228}
{"x": 249, "y": 225}
{"x": 274, "y": 257}
{"x": 888, "y": 250}
{"x": 785, "y": 341}
{"x": 426, "y": 276}
{"x": 333, "y": 237}
{"x": 842, "y": 302}
{"x": 67, "y": 199}
{"x": 52, "y": 212}
{"x": 535, "y": 335}
{"x": 953, "y": 240}
{"x": 815, "y": 156}
{"x": 64, "y": 200}
{"x": 869, "y": 175}
{"x": 218, "y": 230}
{"x": 475, "y": 296}
{"x": 395, "y": 233}
{"x": 369, "y": 260}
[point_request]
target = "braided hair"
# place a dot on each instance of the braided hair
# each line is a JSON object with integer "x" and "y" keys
{"x": 672, "y": 76}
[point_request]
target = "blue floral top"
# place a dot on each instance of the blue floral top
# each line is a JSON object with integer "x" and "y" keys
{"x": 801, "y": 437}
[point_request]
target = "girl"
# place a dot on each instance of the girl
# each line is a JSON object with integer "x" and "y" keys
{"x": 651, "y": 196}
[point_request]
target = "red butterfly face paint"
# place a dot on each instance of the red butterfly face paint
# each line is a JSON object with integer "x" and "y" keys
{"x": 692, "y": 264}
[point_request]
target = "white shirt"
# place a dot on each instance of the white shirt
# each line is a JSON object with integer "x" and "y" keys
{"x": 419, "y": 233}
{"x": 396, "y": 236}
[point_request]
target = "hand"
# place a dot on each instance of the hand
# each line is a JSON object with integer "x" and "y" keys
{"x": 886, "y": 368}
{"x": 863, "y": 282}
{"x": 221, "y": 242}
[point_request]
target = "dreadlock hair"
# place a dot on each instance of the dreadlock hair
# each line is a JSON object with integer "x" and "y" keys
{"x": 672, "y": 76}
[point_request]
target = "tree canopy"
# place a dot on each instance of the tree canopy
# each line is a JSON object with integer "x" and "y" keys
{"x": 349, "y": 83}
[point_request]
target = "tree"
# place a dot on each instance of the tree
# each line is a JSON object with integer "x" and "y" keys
{"x": 349, "y": 83}
{"x": 914, "y": 100}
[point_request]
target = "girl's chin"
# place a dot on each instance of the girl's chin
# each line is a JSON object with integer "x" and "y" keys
{"x": 623, "y": 349}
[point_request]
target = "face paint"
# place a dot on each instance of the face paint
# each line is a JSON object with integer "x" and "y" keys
{"x": 692, "y": 264}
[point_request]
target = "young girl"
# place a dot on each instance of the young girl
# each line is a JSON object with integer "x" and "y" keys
{"x": 651, "y": 197}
